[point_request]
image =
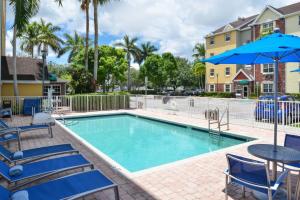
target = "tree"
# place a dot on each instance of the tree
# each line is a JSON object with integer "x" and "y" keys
{"x": 48, "y": 38}
{"x": 82, "y": 80}
{"x": 85, "y": 6}
{"x": 153, "y": 68}
{"x": 144, "y": 51}
{"x": 185, "y": 76}
{"x": 72, "y": 45}
{"x": 199, "y": 72}
{"x": 199, "y": 51}
{"x": 30, "y": 38}
{"x": 128, "y": 45}
{"x": 23, "y": 11}
{"x": 170, "y": 69}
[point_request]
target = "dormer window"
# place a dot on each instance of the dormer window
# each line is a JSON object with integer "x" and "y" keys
{"x": 227, "y": 37}
{"x": 212, "y": 41}
{"x": 267, "y": 27}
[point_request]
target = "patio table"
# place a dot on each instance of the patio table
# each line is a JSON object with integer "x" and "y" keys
{"x": 283, "y": 155}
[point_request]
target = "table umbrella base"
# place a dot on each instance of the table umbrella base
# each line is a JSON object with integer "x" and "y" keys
{"x": 281, "y": 194}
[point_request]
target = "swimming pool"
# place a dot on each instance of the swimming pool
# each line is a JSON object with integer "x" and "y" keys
{"x": 138, "y": 143}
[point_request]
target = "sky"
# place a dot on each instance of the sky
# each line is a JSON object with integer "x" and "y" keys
{"x": 172, "y": 25}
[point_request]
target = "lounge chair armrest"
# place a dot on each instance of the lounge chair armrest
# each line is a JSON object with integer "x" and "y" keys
{"x": 9, "y": 130}
{"x": 280, "y": 179}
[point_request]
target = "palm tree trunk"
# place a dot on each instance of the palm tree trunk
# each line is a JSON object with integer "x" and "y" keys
{"x": 128, "y": 75}
{"x": 87, "y": 34}
{"x": 16, "y": 92}
{"x": 96, "y": 40}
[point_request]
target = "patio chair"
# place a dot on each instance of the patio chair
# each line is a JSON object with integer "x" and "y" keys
{"x": 32, "y": 127}
{"x": 9, "y": 135}
{"x": 69, "y": 187}
{"x": 6, "y": 112}
{"x": 251, "y": 174}
{"x": 42, "y": 169}
{"x": 30, "y": 155}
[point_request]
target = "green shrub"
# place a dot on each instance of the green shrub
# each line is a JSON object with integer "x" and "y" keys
{"x": 218, "y": 94}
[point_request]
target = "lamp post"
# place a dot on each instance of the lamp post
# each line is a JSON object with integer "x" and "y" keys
{"x": 44, "y": 56}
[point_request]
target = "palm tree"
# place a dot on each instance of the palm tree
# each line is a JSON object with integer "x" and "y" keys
{"x": 23, "y": 11}
{"x": 85, "y": 6}
{"x": 145, "y": 50}
{"x": 29, "y": 38}
{"x": 72, "y": 45}
{"x": 199, "y": 51}
{"x": 131, "y": 50}
{"x": 48, "y": 37}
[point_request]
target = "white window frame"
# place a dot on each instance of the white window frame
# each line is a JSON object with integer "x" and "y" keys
{"x": 225, "y": 89}
{"x": 209, "y": 87}
{"x": 212, "y": 71}
{"x": 227, "y": 37}
{"x": 267, "y": 27}
{"x": 55, "y": 93}
{"x": 268, "y": 67}
{"x": 267, "y": 83}
{"x": 226, "y": 71}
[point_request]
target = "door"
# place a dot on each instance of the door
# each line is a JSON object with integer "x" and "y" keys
{"x": 245, "y": 91}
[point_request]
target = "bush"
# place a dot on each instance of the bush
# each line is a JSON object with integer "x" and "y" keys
{"x": 218, "y": 94}
{"x": 142, "y": 92}
{"x": 296, "y": 95}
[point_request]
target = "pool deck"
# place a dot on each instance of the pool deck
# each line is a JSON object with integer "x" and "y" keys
{"x": 200, "y": 177}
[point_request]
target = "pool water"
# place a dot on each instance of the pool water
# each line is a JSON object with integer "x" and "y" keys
{"x": 138, "y": 143}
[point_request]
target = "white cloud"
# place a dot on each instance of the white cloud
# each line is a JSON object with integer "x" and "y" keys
{"x": 176, "y": 25}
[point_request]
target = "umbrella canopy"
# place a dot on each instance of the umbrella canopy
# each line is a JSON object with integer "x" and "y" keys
{"x": 296, "y": 70}
{"x": 275, "y": 48}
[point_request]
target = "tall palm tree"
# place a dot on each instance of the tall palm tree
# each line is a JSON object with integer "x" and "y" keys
{"x": 131, "y": 50}
{"x": 72, "y": 45}
{"x": 48, "y": 37}
{"x": 199, "y": 51}
{"x": 23, "y": 11}
{"x": 144, "y": 51}
{"x": 29, "y": 38}
{"x": 85, "y": 6}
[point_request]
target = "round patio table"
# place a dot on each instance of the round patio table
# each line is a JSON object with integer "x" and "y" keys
{"x": 283, "y": 155}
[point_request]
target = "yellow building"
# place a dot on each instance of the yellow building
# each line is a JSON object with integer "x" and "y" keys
{"x": 29, "y": 75}
{"x": 219, "y": 77}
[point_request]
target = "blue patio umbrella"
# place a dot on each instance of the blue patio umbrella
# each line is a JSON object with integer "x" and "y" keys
{"x": 275, "y": 48}
{"x": 296, "y": 70}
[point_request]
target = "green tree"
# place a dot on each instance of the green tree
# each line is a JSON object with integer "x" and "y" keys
{"x": 30, "y": 38}
{"x": 185, "y": 75}
{"x": 129, "y": 46}
{"x": 153, "y": 68}
{"x": 72, "y": 45}
{"x": 48, "y": 37}
{"x": 199, "y": 72}
{"x": 82, "y": 80}
{"x": 170, "y": 69}
{"x": 23, "y": 11}
{"x": 145, "y": 50}
{"x": 199, "y": 51}
{"x": 136, "y": 79}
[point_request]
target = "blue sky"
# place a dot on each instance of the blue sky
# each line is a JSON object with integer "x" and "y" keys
{"x": 173, "y": 25}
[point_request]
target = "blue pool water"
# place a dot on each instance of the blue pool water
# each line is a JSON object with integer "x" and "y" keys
{"x": 137, "y": 143}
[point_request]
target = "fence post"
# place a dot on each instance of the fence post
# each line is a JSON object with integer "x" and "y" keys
{"x": 283, "y": 120}
{"x": 71, "y": 103}
{"x": 124, "y": 103}
{"x": 101, "y": 103}
{"x": 56, "y": 102}
{"x": 87, "y": 103}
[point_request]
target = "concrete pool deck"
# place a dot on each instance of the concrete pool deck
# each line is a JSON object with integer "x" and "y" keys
{"x": 200, "y": 177}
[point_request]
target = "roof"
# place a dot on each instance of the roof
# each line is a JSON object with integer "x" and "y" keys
{"x": 243, "y": 22}
{"x": 246, "y": 72}
{"x": 28, "y": 69}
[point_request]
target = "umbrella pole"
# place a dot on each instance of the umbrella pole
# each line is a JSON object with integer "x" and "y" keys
{"x": 276, "y": 101}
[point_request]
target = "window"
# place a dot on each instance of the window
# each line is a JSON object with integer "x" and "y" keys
{"x": 227, "y": 71}
{"x": 299, "y": 20}
{"x": 227, "y": 88}
{"x": 212, "y": 41}
{"x": 227, "y": 37}
{"x": 267, "y": 87}
{"x": 211, "y": 88}
{"x": 56, "y": 90}
{"x": 268, "y": 69}
{"x": 212, "y": 72}
{"x": 267, "y": 27}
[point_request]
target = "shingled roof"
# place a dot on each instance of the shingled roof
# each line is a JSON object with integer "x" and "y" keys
{"x": 241, "y": 22}
{"x": 28, "y": 69}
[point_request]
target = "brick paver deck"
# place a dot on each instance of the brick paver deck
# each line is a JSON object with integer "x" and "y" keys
{"x": 197, "y": 178}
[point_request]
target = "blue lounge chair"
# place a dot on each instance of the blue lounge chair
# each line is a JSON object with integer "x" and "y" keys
{"x": 252, "y": 174}
{"x": 11, "y": 134}
{"x": 30, "y": 155}
{"x": 44, "y": 168}
{"x": 33, "y": 127}
{"x": 66, "y": 188}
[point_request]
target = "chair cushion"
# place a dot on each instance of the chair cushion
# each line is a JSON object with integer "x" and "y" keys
{"x": 16, "y": 170}
{"x": 18, "y": 155}
{"x": 20, "y": 195}
{"x": 8, "y": 136}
